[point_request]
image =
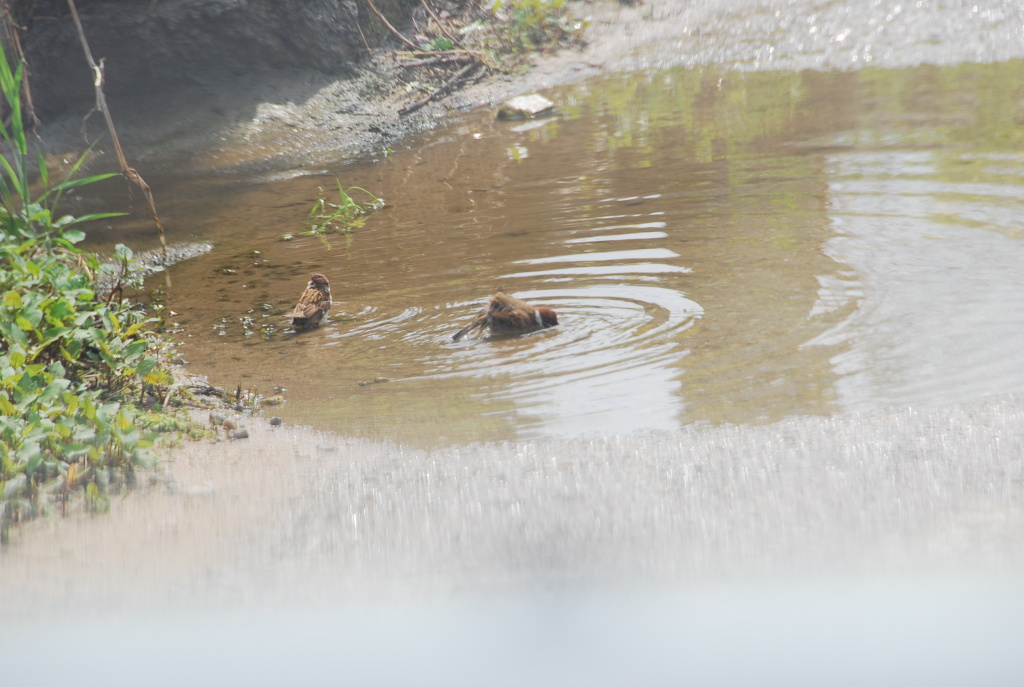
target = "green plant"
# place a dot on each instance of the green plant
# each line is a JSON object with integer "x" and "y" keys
{"x": 440, "y": 43}
{"x": 344, "y": 216}
{"x": 76, "y": 359}
{"x": 536, "y": 24}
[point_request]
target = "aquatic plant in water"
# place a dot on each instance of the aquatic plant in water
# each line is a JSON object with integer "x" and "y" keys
{"x": 77, "y": 360}
{"x": 344, "y": 216}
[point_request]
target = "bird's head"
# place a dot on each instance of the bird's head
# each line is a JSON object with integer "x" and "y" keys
{"x": 319, "y": 281}
{"x": 548, "y": 318}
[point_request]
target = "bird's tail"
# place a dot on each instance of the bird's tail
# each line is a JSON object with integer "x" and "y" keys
{"x": 478, "y": 323}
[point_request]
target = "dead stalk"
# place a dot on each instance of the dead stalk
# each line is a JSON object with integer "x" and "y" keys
{"x": 101, "y": 104}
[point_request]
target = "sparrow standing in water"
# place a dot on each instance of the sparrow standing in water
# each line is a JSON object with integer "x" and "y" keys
{"x": 507, "y": 316}
{"x": 313, "y": 304}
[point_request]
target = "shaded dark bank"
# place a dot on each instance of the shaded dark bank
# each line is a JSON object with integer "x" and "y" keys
{"x": 163, "y": 46}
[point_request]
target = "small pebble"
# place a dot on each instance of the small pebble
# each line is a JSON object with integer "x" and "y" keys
{"x": 276, "y": 422}
{"x": 229, "y": 424}
{"x": 216, "y": 419}
{"x": 240, "y": 434}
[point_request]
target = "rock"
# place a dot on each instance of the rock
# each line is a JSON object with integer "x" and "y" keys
{"x": 276, "y": 422}
{"x": 525, "y": 107}
{"x": 240, "y": 434}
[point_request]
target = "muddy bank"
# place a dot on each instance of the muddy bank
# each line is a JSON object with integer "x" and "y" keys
{"x": 168, "y": 47}
{"x": 293, "y": 116}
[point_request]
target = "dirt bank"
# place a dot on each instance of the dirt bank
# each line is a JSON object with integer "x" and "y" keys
{"x": 311, "y": 110}
{"x": 295, "y": 116}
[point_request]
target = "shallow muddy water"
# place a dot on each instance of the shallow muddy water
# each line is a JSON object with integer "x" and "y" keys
{"x": 719, "y": 246}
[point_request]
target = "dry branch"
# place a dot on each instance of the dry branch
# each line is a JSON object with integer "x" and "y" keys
{"x": 440, "y": 24}
{"x": 441, "y": 90}
{"x": 101, "y": 104}
{"x": 387, "y": 24}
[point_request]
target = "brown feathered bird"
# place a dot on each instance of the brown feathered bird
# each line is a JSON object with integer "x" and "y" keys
{"x": 313, "y": 304}
{"x": 507, "y": 316}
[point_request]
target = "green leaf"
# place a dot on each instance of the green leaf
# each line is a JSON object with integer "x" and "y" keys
{"x": 98, "y": 215}
{"x": 124, "y": 421}
{"x": 88, "y": 408}
{"x": 145, "y": 366}
{"x": 17, "y": 356}
{"x": 14, "y": 334}
{"x": 30, "y": 455}
{"x": 134, "y": 350}
{"x": 74, "y": 235}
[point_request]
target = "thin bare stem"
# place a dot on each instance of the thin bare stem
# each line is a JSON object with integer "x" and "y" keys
{"x": 386, "y": 23}
{"x": 440, "y": 25}
{"x": 101, "y": 104}
{"x": 441, "y": 90}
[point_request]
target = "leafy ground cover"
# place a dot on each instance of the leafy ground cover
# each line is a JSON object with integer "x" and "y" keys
{"x": 84, "y": 381}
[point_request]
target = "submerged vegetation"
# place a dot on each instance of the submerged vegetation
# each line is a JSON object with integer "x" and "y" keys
{"x": 344, "y": 216}
{"x": 82, "y": 371}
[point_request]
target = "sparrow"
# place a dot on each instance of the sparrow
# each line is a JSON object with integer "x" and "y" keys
{"x": 507, "y": 316}
{"x": 313, "y": 304}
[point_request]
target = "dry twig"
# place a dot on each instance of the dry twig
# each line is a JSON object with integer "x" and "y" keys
{"x": 101, "y": 104}
{"x": 441, "y": 90}
{"x": 440, "y": 24}
{"x": 387, "y": 24}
